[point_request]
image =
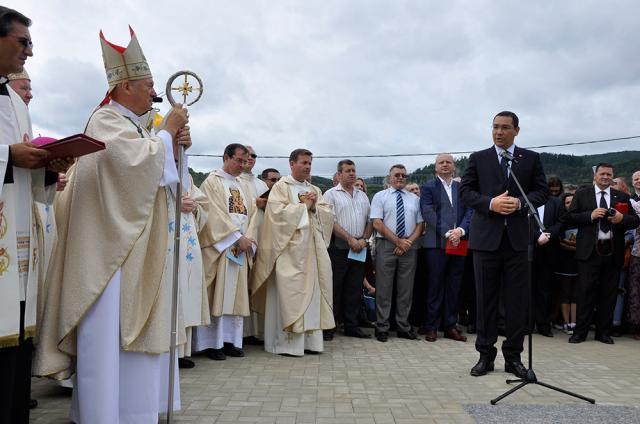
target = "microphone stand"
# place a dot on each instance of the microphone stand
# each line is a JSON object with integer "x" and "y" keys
{"x": 531, "y": 377}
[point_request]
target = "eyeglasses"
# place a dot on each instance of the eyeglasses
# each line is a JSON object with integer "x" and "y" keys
{"x": 24, "y": 42}
{"x": 400, "y": 175}
{"x": 253, "y": 155}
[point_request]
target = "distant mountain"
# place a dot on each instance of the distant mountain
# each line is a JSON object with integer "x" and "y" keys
{"x": 569, "y": 168}
{"x": 324, "y": 183}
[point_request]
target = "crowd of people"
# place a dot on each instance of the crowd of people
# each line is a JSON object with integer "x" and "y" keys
{"x": 87, "y": 251}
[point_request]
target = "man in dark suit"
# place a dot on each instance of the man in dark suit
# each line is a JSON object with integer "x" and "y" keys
{"x": 499, "y": 236}
{"x": 596, "y": 212}
{"x": 545, "y": 255}
{"x": 446, "y": 219}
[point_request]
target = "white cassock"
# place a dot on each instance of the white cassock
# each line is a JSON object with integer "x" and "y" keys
{"x": 283, "y": 342}
{"x": 226, "y": 328}
{"x": 111, "y": 385}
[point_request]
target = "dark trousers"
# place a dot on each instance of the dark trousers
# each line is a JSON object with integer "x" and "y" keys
{"x": 388, "y": 267}
{"x": 543, "y": 283}
{"x": 597, "y": 288}
{"x": 418, "y": 314}
{"x": 443, "y": 288}
{"x": 15, "y": 382}
{"x": 468, "y": 291}
{"x": 348, "y": 276}
{"x": 503, "y": 271}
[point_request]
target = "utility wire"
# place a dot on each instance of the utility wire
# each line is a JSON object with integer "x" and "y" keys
{"x": 575, "y": 143}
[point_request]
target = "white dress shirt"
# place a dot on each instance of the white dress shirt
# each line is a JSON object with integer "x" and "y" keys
{"x": 383, "y": 206}
{"x": 351, "y": 211}
{"x": 607, "y": 199}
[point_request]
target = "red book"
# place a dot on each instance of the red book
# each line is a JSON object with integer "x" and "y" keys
{"x": 70, "y": 147}
{"x": 459, "y": 250}
{"x": 623, "y": 208}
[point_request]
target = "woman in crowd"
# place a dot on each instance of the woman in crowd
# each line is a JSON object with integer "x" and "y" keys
{"x": 567, "y": 272}
{"x": 633, "y": 310}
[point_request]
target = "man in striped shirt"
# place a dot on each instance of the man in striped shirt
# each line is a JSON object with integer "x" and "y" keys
{"x": 351, "y": 231}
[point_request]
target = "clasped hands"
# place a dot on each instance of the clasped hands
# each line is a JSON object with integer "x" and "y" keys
{"x": 598, "y": 213}
{"x": 504, "y": 204}
{"x": 310, "y": 199}
{"x": 188, "y": 204}
{"x": 454, "y": 236}
{"x": 402, "y": 246}
{"x": 356, "y": 244}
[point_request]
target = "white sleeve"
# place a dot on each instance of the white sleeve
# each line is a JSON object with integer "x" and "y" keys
{"x": 223, "y": 244}
{"x": 170, "y": 175}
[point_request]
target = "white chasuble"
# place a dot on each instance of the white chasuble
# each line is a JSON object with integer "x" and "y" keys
{"x": 230, "y": 208}
{"x": 293, "y": 272}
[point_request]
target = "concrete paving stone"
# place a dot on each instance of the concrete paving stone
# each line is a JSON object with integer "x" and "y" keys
{"x": 364, "y": 382}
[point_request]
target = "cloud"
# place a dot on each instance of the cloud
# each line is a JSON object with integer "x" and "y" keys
{"x": 357, "y": 77}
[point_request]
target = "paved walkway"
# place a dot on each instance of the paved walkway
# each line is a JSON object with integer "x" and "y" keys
{"x": 367, "y": 382}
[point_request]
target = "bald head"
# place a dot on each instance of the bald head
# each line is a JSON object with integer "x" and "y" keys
{"x": 445, "y": 166}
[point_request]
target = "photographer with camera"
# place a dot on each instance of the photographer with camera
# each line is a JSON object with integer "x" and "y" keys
{"x": 602, "y": 215}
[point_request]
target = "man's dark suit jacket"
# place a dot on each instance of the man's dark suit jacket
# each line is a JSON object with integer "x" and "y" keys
{"x": 579, "y": 216}
{"x": 484, "y": 179}
{"x": 440, "y": 215}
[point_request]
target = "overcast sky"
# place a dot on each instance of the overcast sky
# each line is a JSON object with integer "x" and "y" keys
{"x": 346, "y": 77}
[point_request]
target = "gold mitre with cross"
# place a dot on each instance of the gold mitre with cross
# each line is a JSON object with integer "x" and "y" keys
{"x": 19, "y": 76}
{"x": 124, "y": 63}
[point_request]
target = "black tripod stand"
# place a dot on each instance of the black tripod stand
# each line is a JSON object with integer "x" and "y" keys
{"x": 530, "y": 378}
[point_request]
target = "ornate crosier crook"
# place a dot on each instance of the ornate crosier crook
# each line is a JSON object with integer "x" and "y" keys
{"x": 185, "y": 89}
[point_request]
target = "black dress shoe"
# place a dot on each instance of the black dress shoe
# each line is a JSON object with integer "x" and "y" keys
{"x": 605, "y": 339}
{"x": 327, "y": 335}
{"x": 471, "y": 329}
{"x": 482, "y": 367}
{"x": 409, "y": 335}
{"x": 357, "y": 333}
{"x": 230, "y": 350}
{"x": 575, "y": 339}
{"x": 382, "y": 336}
{"x": 252, "y": 341}
{"x": 545, "y": 331}
{"x": 516, "y": 368}
{"x": 33, "y": 404}
{"x": 185, "y": 363}
{"x": 216, "y": 354}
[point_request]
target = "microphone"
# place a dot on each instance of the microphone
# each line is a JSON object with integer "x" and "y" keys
{"x": 508, "y": 156}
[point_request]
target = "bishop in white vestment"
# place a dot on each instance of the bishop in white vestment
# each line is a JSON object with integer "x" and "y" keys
{"x": 107, "y": 312}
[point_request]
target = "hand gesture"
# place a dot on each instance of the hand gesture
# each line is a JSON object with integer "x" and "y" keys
{"x": 504, "y": 204}
{"x": 310, "y": 198}
{"x": 188, "y": 204}
{"x": 598, "y": 213}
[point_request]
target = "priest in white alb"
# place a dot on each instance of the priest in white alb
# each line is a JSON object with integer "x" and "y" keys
{"x": 193, "y": 290}
{"x": 257, "y": 192}
{"x": 292, "y": 279}
{"x": 228, "y": 244}
{"x": 107, "y": 312}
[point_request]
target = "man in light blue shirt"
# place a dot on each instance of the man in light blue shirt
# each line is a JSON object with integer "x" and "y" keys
{"x": 396, "y": 217}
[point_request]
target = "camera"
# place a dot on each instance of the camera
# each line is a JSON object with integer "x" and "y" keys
{"x": 611, "y": 212}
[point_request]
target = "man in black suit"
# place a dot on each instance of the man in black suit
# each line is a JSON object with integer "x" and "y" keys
{"x": 602, "y": 215}
{"x": 545, "y": 255}
{"x": 446, "y": 220}
{"x": 499, "y": 236}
